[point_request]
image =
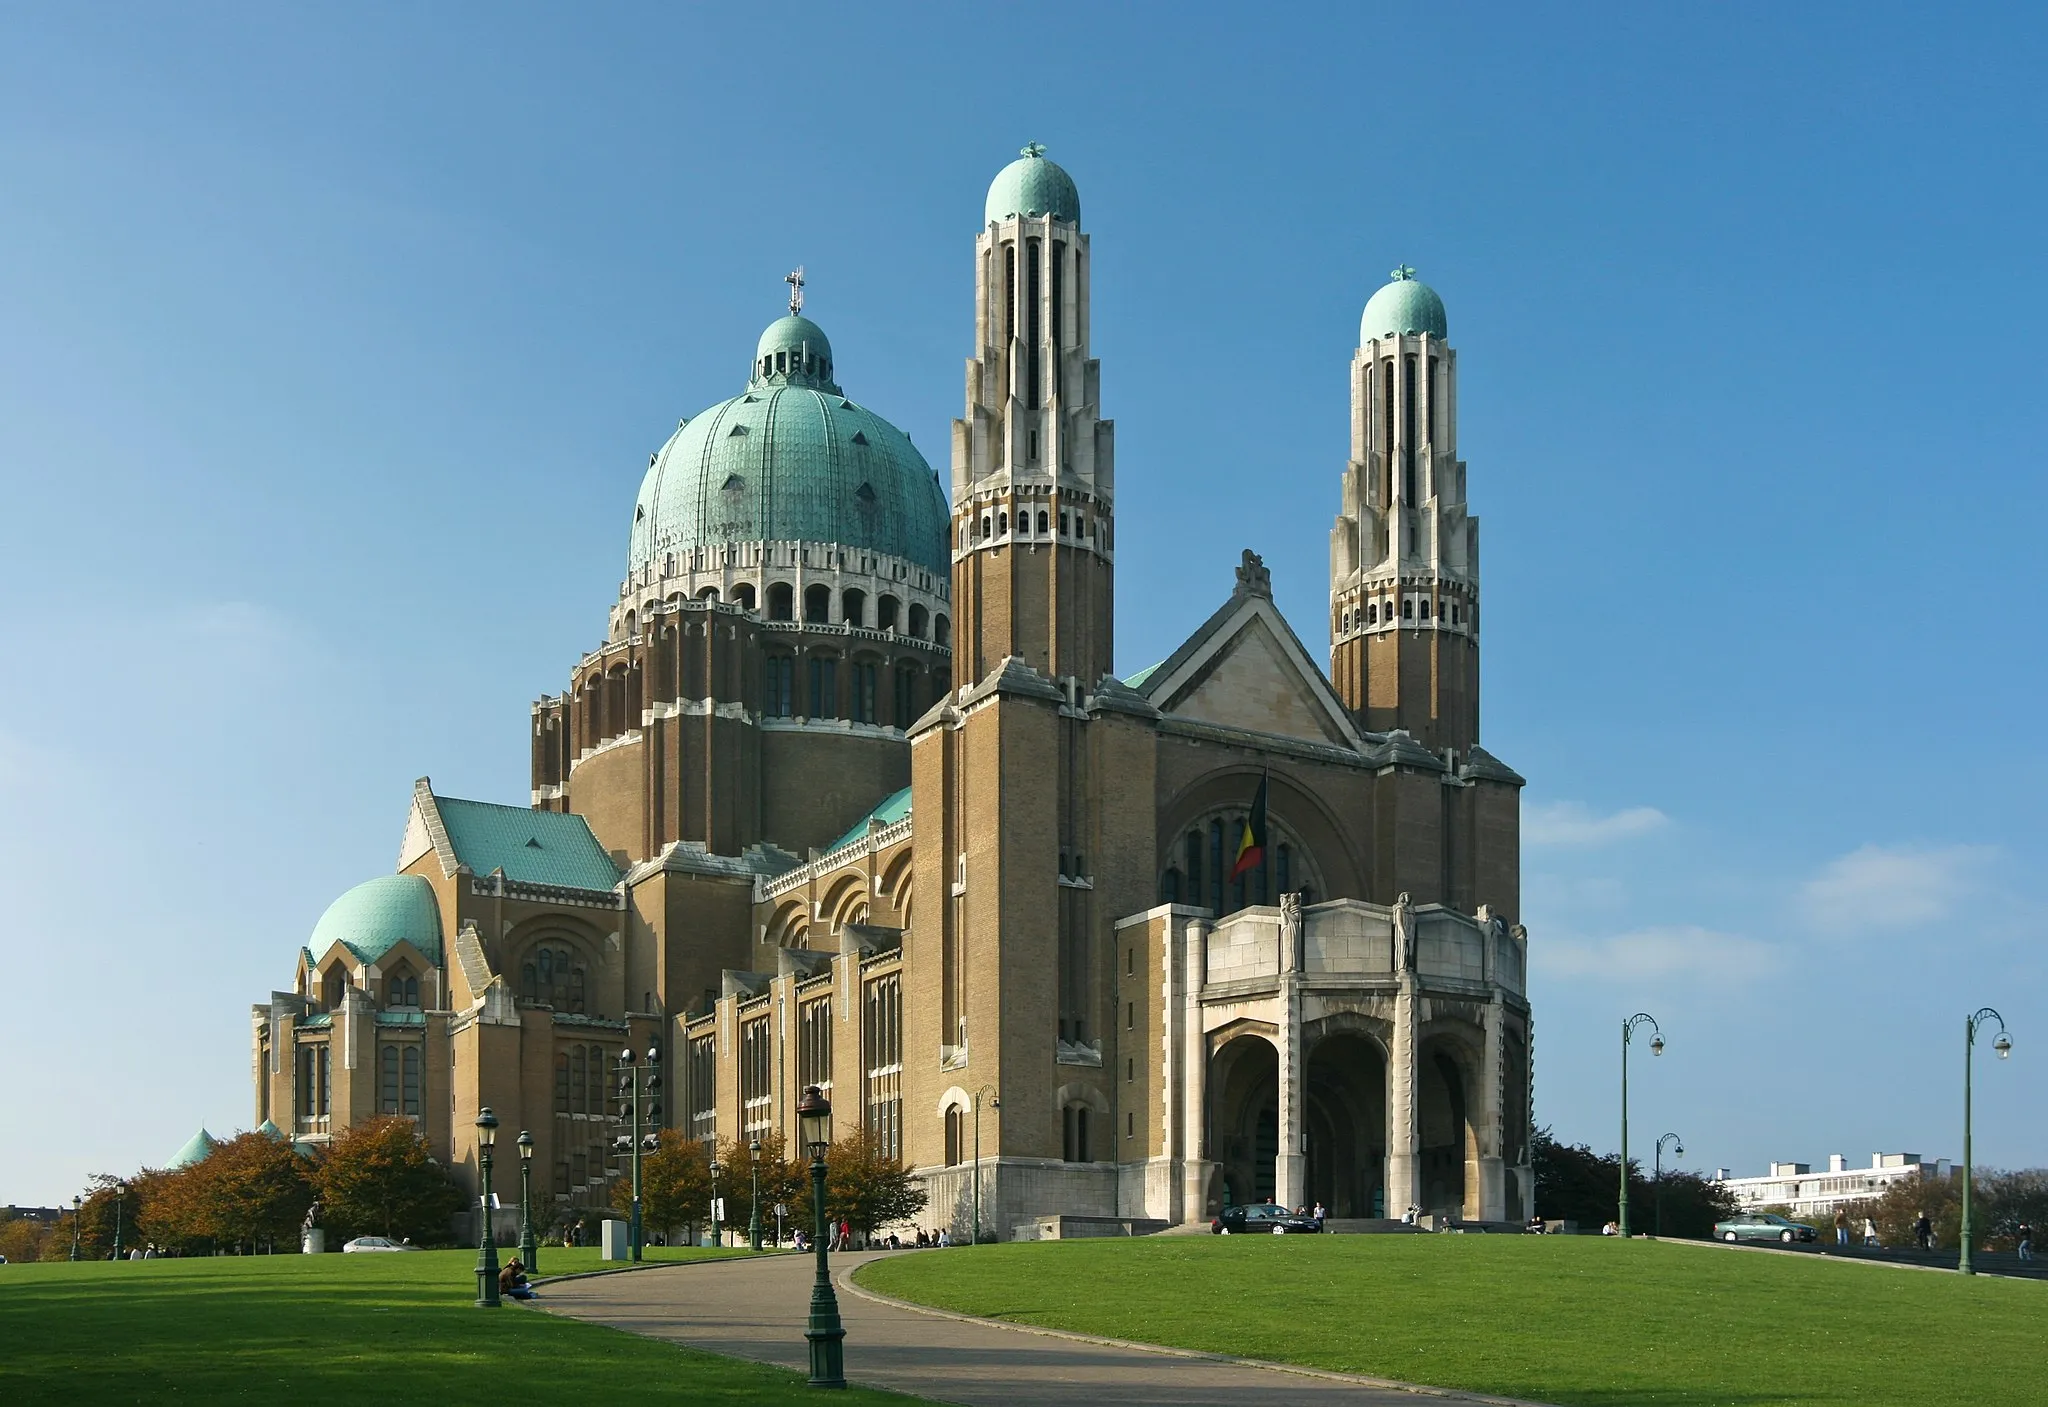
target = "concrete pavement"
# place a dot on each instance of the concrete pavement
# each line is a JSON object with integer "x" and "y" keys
{"x": 755, "y": 1309}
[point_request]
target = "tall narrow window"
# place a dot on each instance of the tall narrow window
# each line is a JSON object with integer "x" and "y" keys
{"x": 824, "y": 686}
{"x": 1059, "y": 270}
{"x": 1195, "y": 847}
{"x": 701, "y": 1088}
{"x": 1408, "y": 428}
{"x": 863, "y": 694}
{"x": 906, "y": 698}
{"x": 326, "y": 1086}
{"x": 1283, "y": 866}
{"x": 756, "y": 1075}
{"x": 955, "y": 1154}
{"x": 579, "y": 1083}
{"x": 1009, "y": 295}
{"x": 561, "y": 1082}
{"x": 1216, "y": 871}
{"x": 599, "y": 1064}
{"x": 882, "y": 1060}
{"x": 1387, "y": 427}
{"x": 411, "y": 1057}
{"x": 1035, "y": 369}
{"x": 778, "y": 681}
{"x": 814, "y": 1044}
{"x": 387, "y": 1080}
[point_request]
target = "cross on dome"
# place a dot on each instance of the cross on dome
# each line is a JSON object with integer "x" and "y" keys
{"x": 1403, "y": 274}
{"x": 1032, "y": 149}
{"x": 795, "y": 279}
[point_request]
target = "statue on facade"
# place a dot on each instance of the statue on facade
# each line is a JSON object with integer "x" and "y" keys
{"x": 1290, "y": 927}
{"x": 1404, "y": 933}
{"x": 1252, "y": 577}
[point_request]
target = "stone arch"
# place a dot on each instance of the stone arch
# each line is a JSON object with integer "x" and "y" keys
{"x": 1345, "y": 1098}
{"x": 1447, "y": 1104}
{"x": 1244, "y": 1110}
{"x": 1328, "y": 848}
{"x": 787, "y": 920}
{"x": 556, "y": 961}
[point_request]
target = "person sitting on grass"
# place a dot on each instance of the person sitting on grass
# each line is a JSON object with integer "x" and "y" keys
{"x": 512, "y": 1280}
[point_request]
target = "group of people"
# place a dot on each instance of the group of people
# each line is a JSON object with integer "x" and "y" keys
{"x": 842, "y": 1239}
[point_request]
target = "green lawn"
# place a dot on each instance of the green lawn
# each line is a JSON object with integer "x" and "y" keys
{"x": 1562, "y": 1319}
{"x": 355, "y": 1329}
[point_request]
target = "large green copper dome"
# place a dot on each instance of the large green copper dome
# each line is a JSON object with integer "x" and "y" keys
{"x": 1404, "y": 307}
{"x": 379, "y": 914}
{"x": 1031, "y": 185}
{"x": 791, "y": 459}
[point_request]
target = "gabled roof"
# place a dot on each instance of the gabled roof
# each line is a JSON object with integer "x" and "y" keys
{"x": 531, "y": 847}
{"x": 888, "y": 812}
{"x": 1245, "y": 668}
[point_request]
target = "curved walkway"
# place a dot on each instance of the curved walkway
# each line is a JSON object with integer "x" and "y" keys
{"x": 756, "y": 1309}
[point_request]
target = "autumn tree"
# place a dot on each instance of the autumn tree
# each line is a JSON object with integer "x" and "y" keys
{"x": 24, "y": 1238}
{"x": 252, "y": 1190}
{"x": 380, "y": 1178}
{"x": 174, "y": 1210}
{"x": 675, "y": 1183}
{"x": 782, "y": 1181}
{"x": 864, "y": 1186}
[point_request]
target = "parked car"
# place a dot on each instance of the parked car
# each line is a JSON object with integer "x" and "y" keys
{"x": 1262, "y": 1218}
{"x": 378, "y": 1243}
{"x": 1762, "y": 1226}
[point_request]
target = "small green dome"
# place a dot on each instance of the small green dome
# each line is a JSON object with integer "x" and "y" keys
{"x": 790, "y": 460}
{"x": 1031, "y": 185}
{"x": 196, "y": 1149}
{"x": 1405, "y": 307}
{"x": 379, "y": 914}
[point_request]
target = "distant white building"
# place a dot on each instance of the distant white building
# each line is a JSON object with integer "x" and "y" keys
{"x": 1808, "y": 1193}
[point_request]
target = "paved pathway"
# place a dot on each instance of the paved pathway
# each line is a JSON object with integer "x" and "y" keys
{"x": 756, "y": 1309}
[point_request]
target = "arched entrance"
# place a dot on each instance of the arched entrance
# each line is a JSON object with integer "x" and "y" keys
{"x": 1244, "y": 1116}
{"x": 1449, "y": 1152}
{"x": 1345, "y": 1118}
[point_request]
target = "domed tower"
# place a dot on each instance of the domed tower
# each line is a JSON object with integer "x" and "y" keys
{"x": 1404, "y": 555}
{"x": 1033, "y": 471}
{"x": 784, "y": 618}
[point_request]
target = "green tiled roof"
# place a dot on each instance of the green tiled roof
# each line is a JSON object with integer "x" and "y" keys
{"x": 1403, "y": 307}
{"x": 270, "y": 1130}
{"x": 1031, "y": 185}
{"x": 892, "y": 810}
{"x": 531, "y": 847}
{"x": 1137, "y": 681}
{"x": 379, "y": 914}
{"x": 790, "y": 460}
{"x": 196, "y": 1148}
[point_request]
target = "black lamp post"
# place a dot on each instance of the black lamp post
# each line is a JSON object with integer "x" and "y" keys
{"x": 995, "y": 1101}
{"x": 77, "y": 1204}
{"x": 717, "y": 1222}
{"x": 120, "y": 1191}
{"x": 754, "y": 1220}
{"x": 631, "y": 1082}
{"x": 1677, "y": 1147}
{"x": 2003, "y": 1045}
{"x": 825, "y": 1333}
{"x": 487, "y": 1247}
{"x": 529, "y": 1252}
{"x": 1628, "y": 1030}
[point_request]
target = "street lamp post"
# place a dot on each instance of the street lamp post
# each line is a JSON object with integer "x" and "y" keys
{"x": 717, "y": 1222}
{"x": 529, "y": 1253}
{"x": 77, "y": 1205}
{"x": 995, "y": 1101}
{"x": 825, "y": 1333}
{"x": 631, "y": 1081}
{"x": 1628, "y": 1030}
{"x": 754, "y": 1218}
{"x": 120, "y": 1192}
{"x": 1678, "y": 1147}
{"x": 2003, "y": 1045}
{"x": 487, "y": 1244}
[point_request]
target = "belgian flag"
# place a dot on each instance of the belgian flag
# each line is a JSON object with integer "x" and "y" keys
{"x": 1251, "y": 846}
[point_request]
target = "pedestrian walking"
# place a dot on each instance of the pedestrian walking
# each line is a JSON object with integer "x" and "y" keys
{"x": 1841, "y": 1227}
{"x": 2026, "y": 1241}
{"x": 1870, "y": 1231}
{"x": 1923, "y": 1232}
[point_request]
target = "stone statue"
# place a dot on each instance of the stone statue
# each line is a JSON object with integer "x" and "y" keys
{"x": 1290, "y": 928}
{"x": 312, "y": 1217}
{"x": 1252, "y": 577}
{"x": 1404, "y": 933}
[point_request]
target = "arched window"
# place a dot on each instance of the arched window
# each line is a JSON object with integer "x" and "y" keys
{"x": 918, "y": 620}
{"x": 743, "y": 595}
{"x": 1076, "y": 1131}
{"x": 906, "y": 697}
{"x": 985, "y": 533}
{"x": 1344, "y": 623}
{"x": 1407, "y": 608}
{"x": 552, "y": 975}
{"x": 824, "y": 671}
{"x": 955, "y": 1154}
{"x": 709, "y": 593}
{"x": 1041, "y": 523}
{"x": 781, "y": 601}
{"x": 1002, "y": 523}
{"x": 861, "y": 698}
{"x": 1169, "y": 886}
{"x": 1422, "y": 608}
{"x": 817, "y": 605}
{"x": 885, "y": 612}
{"x": 1372, "y": 613}
{"x": 942, "y": 630}
{"x": 853, "y": 607}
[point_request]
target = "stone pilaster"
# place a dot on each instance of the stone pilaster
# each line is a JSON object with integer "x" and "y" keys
{"x": 1492, "y": 1188}
{"x": 1403, "y": 1141}
{"x": 1196, "y": 1165}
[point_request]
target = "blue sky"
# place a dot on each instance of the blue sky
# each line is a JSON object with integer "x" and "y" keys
{"x": 332, "y": 348}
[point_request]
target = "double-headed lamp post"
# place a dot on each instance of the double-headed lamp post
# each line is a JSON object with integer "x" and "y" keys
{"x": 1628, "y": 1031}
{"x": 754, "y": 1219}
{"x": 2003, "y": 1045}
{"x": 529, "y": 1253}
{"x": 77, "y": 1205}
{"x": 487, "y": 1244}
{"x": 995, "y": 1101}
{"x": 631, "y": 1081}
{"x": 1677, "y": 1147}
{"x": 826, "y": 1334}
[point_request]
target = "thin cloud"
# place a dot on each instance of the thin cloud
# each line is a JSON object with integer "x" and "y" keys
{"x": 1894, "y": 886}
{"x": 1645, "y": 953}
{"x": 1569, "y": 823}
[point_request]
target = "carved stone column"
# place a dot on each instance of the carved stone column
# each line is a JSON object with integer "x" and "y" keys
{"x": 1404, "y": 1187}
{"x": 1290, "y": 1165}
{"x": 1492, "y": 1189}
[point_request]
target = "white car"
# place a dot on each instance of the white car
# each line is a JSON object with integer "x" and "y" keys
{"x": 377, "y": 1243}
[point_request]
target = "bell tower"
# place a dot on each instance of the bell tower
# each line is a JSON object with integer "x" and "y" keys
{"x": 1404, "y": 555}
{"x": 1033, "y": 469}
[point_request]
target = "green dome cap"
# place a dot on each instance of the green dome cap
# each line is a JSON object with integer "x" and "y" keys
{"x": 1031, "y": 185}
{"x": 1404, "y": 307}
{"x": 379, "y": 914}
{"x": 790, "y": 460}
{"x": 196, "y": 1149}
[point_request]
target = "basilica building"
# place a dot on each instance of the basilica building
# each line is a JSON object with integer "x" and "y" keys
{"x": 851, "y": 796}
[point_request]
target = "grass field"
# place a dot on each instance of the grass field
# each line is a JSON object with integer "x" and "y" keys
{"x": 355, "y": 1329}
{"x": 1562, "y": 1319}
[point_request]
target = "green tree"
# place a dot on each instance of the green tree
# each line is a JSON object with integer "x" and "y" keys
{"x": 379, "y": 1178}
{"x": 675, "y": 1183}
{"x": 23, "y": 1239}
{"x": 864, "y": 1187}
{"x": 781, "y": 1180}
{"x": 1573, "y": 1183}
